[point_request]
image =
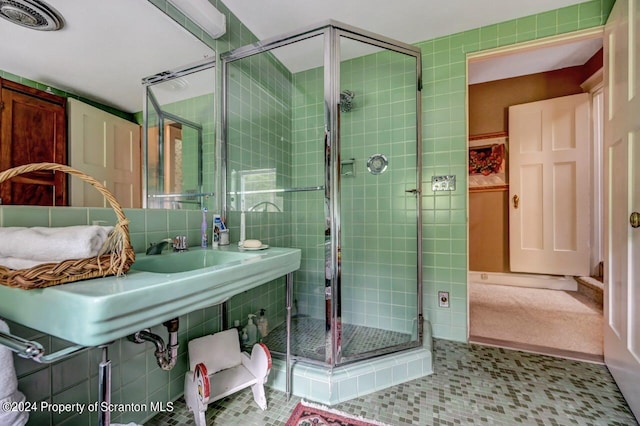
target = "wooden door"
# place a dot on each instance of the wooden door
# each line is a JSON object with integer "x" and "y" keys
{"x": 107, "y": 148}
{"x": 549, "y": 190}
{"x": 622, "y": 198}
{"x": 33, "y": 129}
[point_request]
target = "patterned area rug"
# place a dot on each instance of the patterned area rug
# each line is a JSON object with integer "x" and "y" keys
{"x": 306, "y": 414}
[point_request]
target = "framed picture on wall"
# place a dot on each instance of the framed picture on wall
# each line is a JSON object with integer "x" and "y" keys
{"x": 488, "y": 162}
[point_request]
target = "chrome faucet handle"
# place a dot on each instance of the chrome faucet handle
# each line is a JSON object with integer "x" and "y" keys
{"x": 180, "y": 243}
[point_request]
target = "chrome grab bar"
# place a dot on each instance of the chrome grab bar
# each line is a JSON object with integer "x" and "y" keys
{"x": 277, "y": 190}
{"x": 186, "y": 194}
{"x": 33, "y": 350}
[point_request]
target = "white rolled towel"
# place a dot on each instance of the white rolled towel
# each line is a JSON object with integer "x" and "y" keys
{"x": 9, "y": 386}
{"x": 53, "y": 244}
{"x": 17, "y": 263}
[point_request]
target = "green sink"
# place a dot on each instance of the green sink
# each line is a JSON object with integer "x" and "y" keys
{"x": 188, "y": 260}
{"x": 156, "y": 289}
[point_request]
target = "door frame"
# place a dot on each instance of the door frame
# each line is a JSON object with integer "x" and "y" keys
{"x": 591, "y": 33}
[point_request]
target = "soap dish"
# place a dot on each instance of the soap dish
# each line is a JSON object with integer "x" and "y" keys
{"x": 262, "y": 247}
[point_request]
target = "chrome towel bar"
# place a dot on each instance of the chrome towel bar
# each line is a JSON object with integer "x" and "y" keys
{"x": 33, "y": 350}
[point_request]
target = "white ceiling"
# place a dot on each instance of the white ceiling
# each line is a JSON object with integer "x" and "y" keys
{"x": 535, "y": 61}
{"x": 409, "y": 21}
{"x": 103, "y": 53}
{"x": 104, "y": 50}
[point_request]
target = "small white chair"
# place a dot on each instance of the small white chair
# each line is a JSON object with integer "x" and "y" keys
{"x": 217, "y": 369}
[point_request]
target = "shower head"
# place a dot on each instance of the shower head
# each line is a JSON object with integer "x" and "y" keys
{"x": 346, "y": 100}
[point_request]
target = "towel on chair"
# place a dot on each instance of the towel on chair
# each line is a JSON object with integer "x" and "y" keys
{"x": 9, "y": 386}
{"x": 53, "y": 244}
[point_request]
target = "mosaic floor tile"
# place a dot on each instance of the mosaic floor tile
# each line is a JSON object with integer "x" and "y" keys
{"x": 471, "y": 385}
{"x": 308, "y": 338}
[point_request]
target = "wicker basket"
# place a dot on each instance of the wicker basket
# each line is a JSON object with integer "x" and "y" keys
{"x": 116, "y": 260}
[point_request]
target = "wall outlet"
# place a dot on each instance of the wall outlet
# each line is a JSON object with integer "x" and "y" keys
{"x": 443, "y": 299}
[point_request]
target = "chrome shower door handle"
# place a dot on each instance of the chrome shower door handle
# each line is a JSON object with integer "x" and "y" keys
{"x": 414, "y": 191}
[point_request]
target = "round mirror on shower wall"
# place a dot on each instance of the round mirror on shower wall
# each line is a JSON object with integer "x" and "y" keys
{"x": 377, "y": 164}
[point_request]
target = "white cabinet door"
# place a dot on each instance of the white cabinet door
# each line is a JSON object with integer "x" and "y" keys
{"x": 549, "y": 190}
{"x": 108, "y": 148}
{"x": 622, "y": 198}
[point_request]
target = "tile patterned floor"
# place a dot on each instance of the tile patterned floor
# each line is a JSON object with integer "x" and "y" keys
{"x": 308, "y": 338}
{"x": 471, "y": 385}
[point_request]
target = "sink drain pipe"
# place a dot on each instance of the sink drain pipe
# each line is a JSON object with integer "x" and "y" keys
{"x": 166, "y": 355}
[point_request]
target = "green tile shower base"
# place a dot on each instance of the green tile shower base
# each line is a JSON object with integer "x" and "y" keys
{"x": 335, "y": 385}
{"x": 308, "y": 338}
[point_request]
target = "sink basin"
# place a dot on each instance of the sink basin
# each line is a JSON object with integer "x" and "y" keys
{"x": 188, "y": 260}
{"x": 156, "y": 289}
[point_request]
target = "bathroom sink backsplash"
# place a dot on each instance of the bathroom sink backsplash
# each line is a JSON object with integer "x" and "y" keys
{"x": 145, "y": 225}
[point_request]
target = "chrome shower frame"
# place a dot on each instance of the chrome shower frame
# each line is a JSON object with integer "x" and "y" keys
{"x": 332, "y": 31}
{"x": 148, "y": 97}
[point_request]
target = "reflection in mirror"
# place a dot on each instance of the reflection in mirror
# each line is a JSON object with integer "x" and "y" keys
{"x": 256, "y": 191}
{"x": 179, "y": 120}
{"x": 99, "y": 62}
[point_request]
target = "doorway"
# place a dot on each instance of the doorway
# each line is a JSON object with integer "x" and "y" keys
{"x": 497, "y": 296}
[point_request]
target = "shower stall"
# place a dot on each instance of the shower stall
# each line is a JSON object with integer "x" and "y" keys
{"x": 321, "y": 151}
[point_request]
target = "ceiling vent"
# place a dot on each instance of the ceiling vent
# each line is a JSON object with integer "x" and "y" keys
{"x": 33, "y": 14}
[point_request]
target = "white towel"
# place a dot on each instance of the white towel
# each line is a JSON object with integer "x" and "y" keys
{"x": 17, "y": 263}
{"x": 9, "y": 386}
{"x": 53, "y": 244}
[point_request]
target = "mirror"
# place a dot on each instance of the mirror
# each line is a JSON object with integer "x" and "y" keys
{"x": 101, "y": 54}
{"x": 179, "y": 137}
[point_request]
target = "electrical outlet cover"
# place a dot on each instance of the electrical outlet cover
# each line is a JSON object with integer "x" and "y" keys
{"x": 443, "y": 299}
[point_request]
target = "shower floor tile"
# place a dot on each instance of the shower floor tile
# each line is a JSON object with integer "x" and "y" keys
{"x": 471, "y": 384}
{"x": 308, "y": 338}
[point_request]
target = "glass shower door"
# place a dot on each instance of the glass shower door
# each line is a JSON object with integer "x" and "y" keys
{"x": 379, "y": 184}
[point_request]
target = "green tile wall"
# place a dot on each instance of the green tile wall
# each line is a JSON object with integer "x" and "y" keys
{"x": 308, "y": 207}
{"x": 259, "y": 138}
{"x": 378, "y": 219}
{"x": 444, "y": 148}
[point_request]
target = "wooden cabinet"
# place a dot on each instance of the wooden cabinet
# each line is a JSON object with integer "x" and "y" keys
{"x": 33, "y": 129}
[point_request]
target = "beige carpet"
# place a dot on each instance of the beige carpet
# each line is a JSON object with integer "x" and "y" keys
{"x": 562, "y": 320}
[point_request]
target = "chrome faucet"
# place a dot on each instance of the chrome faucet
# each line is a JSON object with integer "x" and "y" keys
{"x": 156, "y": 248}
{"x": 178, "y": 244}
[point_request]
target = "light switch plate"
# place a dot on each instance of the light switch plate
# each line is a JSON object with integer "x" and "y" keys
{"x": 443, "y": 183}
